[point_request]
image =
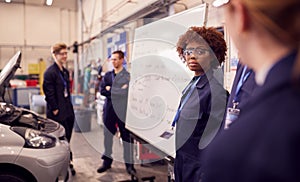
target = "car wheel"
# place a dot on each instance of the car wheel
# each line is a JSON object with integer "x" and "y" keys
{"x": 6, "y": 176}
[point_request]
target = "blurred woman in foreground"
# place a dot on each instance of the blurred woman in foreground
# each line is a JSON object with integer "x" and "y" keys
{"x": 264, "y": 145}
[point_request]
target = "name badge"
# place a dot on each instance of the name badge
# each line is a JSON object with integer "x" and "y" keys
{"x": 231, "y": 115}
{"x": 66, "y": 92}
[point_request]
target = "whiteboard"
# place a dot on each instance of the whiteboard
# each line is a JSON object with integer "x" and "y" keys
{"x": 158, "y": 77}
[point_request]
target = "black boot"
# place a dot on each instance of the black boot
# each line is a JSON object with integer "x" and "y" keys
{"x": 73, "y": 172}
{"x": 130, "y": 169}
{"x": 105, "y": 165}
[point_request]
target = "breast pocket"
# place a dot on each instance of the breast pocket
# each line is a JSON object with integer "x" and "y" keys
{"x": 192, "y": 108}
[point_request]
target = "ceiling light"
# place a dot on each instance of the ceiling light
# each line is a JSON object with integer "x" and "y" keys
{"x": 7, "y": 1}
{"x": 49, "y": 2}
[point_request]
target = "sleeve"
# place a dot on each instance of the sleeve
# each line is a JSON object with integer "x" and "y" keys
{"x": 124, "y": 85}
{"x": 50, "y": 90}
{"x": 106, "y": 82}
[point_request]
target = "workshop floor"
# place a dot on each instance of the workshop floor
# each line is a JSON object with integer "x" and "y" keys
{"x": 87, "y": 148}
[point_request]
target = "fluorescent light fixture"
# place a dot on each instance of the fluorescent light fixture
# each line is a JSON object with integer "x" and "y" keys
{"x": 219, "y": 3}
{"x": 7, "y": 1}
{"x": 49, "y": 2}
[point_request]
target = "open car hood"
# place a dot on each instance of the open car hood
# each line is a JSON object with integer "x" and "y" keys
{"x": 15, "y": 116}
{"x": 8, "y": 72}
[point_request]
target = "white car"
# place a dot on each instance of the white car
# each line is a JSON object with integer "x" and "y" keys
{"x": 32, "y": 148}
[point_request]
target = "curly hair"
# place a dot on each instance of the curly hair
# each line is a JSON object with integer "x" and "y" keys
{"x": 210, "y": 35}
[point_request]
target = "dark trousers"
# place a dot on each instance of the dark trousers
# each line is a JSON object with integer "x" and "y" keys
{"x": 68, "y": 124}
{"x": 109, "y": 132}
{"x": 186, "y": 168}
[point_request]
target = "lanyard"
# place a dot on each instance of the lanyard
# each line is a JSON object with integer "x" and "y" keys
{"x": 188, "y": 89}
{"x": 242, "y": 80}
{"x": 62, "y": 78}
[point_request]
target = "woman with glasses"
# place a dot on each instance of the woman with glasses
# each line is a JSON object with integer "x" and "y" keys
{"x": 264, "y": 143}
{"x": 203, "y": 101}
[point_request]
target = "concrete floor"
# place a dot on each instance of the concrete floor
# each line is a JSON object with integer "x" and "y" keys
{"x": 87, "y": 148}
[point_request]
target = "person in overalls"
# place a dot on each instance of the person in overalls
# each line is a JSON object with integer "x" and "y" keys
{"x": 263, "y": 143}
{"x": 243, "y": 87}
{"x": 114, "y": 87}
{"x": 203, "y": 102}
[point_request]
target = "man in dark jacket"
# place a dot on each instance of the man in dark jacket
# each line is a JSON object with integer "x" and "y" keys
{"x": 56, "y": 87}
{"x": 114, "y": 87}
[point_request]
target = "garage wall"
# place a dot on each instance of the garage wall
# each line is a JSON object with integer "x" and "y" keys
{"x": 95, "y": 16}
{"x": 100, "y": 15}
{"x": 33, "y": 29}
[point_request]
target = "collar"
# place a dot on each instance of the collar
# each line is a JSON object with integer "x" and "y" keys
{"x": 57, "y": 67}
{"x": 261, "y": 75}
{"x": 205, "y": 78}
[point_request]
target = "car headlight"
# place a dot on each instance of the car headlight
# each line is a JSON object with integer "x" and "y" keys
{"x": 34, "y": 138}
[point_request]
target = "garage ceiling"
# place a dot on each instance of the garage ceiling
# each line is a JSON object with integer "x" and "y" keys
{"x": 65, "y": 4}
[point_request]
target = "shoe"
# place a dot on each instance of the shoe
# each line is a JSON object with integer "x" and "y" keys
{"x": 103, "y": 169}
{"x": 73, "y": 172}
{"x": 130, "y": 170}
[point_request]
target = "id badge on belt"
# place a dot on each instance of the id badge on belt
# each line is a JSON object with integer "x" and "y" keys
{"x": 231, "y": 115}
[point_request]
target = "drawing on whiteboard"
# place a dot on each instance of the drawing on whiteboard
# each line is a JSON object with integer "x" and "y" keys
{"x": 154, "y": 91}
{"x": 148, "y": 103}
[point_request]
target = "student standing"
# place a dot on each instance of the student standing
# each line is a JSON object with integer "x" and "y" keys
{"x": 56, "y": 87}
{"x": 203, "y": 101}
{"x": 114, "y": 87}
{"x": 263, "y": 144}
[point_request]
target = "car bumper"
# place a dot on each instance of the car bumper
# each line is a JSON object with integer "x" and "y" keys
{"x": 47, "y": 164}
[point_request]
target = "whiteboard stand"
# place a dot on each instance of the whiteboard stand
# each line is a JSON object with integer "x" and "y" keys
{"x": 168, "y": 159}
